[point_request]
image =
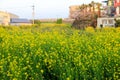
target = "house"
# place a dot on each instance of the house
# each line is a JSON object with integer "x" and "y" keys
{"x": 12, "y": 19}
{"x": 5, "y": 17}
{"x": 19, "y": 21}
{"x": 13, "y": 15}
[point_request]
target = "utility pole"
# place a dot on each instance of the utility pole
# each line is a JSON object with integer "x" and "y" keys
{"x": 33, "y": 13}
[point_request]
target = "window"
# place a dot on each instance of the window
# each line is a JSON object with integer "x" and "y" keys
{"x": 110, "y": 21}
{"x": 104, "y": 21}
{"x": 1, "y": 20}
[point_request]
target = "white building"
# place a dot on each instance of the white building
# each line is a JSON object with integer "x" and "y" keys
{"x": 5, "y": 17}
{"x": 106, "y": 22}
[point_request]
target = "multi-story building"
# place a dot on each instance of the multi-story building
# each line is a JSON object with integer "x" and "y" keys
{"x": 117, "y": 7}
{"x": 113, "y": 4}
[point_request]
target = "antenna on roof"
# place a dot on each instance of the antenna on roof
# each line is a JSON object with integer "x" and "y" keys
{"x": 33, "y": 13}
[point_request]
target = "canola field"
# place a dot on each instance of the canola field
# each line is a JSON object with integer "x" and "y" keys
{"x": 58, "y": 52}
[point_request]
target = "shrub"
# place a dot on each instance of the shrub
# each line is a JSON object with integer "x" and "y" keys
{"x": 59, "y": 21}
{"x": 117, "y": 23}
{"x": 37, "y": 22}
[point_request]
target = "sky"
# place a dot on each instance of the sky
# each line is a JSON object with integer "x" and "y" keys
{"x": 43, "y": 8}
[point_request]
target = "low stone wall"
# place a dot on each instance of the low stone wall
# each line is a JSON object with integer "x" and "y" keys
{"x": 65, "y": 20}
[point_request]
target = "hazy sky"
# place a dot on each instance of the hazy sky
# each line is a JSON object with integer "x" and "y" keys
{"x": 43, "y": 8}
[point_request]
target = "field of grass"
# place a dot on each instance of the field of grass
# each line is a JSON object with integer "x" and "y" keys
{"x": 58, "y": 52}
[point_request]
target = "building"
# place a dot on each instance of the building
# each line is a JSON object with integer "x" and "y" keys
{"x": 113, "y": 12}
{"x": 117, "y": 7}
{"x": 113, "y": 4}
{"x": 18, "y": 21}
{"x": 5, "y": 17}
{"x": 13, "y": 15}
{"x": 110, "y": 2}
{"x": 12, "y": 19}
{"x": 106, "y": 22}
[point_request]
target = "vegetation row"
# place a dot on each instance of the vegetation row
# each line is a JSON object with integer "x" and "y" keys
{"x": 57, "y": 52}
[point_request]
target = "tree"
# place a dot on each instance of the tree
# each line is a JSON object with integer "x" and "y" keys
{"x": 86, "y": 6}
{"x": 84, "y": 18}
{"x": 117, "y": 23}
{"x": 37, "y": 22}
{"x": 93, "y": 7}
{"x": 99, "y": 10}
